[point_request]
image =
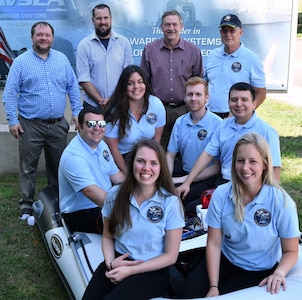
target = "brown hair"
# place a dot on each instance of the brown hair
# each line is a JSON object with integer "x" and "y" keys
{"x": 43, "y": 24}
{"x": 120, "y": 216}
{"x": 197, "y": 80}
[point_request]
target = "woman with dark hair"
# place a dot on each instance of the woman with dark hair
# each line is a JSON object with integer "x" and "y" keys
{"x": 133, "y": 113}
{"x": 253, "y": 228}
{"x": 143, "y": 220}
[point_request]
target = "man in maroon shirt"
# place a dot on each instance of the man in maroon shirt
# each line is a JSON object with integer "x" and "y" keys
{"x": 169, "y": 62}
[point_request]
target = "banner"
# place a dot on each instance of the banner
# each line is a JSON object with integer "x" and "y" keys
{"x": 266, "y": 25}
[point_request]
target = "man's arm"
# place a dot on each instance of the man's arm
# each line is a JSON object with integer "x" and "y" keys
{"x": 200, "y": 164}
{"x": 117, "y": 178}
{"x": 158, "y": 133}
{"x": 277, "y": 173}
{"x": 128, "y": 54}
{"x": 93, "y": 93}
{"x": 209, "y": 171}
{"x": 170, "y": 160}
{"x": 95, "y": 194}
{"x": 145, "y": 64}
{"x": 115, "y": 152}
{"x": 260, "y": 95}
{"x": 10, "y": 97}
{"x": 73, "y": 91}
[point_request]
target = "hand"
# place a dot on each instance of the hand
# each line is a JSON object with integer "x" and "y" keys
{"x": 121, "y": 268}
{"x": 103, "y": 102}
{"x": 16, "y": 130}
{"x": 182, "y": 191}
{"x": 121, "y": 261}
{"x": 74, "y": 121}
{"x": 213, "y": 291}
{"x": 116, "y": 275}
{"x": 274, "y": 283}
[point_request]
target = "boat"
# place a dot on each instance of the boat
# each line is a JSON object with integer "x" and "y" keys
{"x": 76, "y": 255}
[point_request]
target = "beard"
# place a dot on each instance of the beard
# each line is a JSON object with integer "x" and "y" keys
{"x": 41, "y": 50}
{"x": 103, "y": 33}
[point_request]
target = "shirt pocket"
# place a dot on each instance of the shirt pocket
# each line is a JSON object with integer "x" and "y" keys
{"x": 185, "y": 69}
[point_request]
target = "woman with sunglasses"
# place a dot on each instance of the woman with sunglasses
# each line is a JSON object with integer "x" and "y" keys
{"x": 143, "y": 220}
{"x": 133, "y": 113}
{"x": 86, "y": 172}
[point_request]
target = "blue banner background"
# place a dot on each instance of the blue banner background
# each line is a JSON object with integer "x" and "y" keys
{"x": 266, "y": 24}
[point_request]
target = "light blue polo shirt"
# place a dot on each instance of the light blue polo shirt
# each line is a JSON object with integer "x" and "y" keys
{"x": 191, "y": 139}
{"x": 155, "y": 117}
{"x": 226, "y": 136}
{"x": 81, "y": 166}
{"x": 150, "y": 221}
{"x": 222, "y": 70}
{"x": 254, "y": 244}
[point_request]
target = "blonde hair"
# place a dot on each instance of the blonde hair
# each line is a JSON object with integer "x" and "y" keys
{"x": 267, "y": 176}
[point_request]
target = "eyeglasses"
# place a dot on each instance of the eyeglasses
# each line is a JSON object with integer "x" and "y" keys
{"x": 92, "y": 124}
{"x": 226, "y": 30}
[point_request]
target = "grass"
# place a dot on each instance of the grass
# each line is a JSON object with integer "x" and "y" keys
{"x": 26, "y": 271}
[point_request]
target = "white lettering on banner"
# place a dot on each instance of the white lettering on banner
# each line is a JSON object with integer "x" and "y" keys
{"x": 141, "y": 41}
{"x": 34, "y": 16}
{"x": 9, "y": 16}
{"x": 23, "y": 24}
{"x": 31, "y": 2}
{"x": 205, "y": 52}
{"x": 204, "y": 41}
{"x": 137, "y": 52}
{"x": 156, "y": 30}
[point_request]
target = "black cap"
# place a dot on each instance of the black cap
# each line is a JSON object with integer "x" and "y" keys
{"x": 230, "y": 20}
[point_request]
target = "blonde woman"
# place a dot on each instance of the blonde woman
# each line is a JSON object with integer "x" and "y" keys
{"x": 253, "y": 228}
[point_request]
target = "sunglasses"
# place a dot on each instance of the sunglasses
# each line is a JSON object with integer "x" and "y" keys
{"x": 226, "y": 30}
{"x": 92, "y": 124}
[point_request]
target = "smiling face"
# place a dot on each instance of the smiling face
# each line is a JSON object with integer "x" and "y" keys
{"x": 102, "y": 22}
{"x": 136, "y": 87}
{"x": 230, "y": 37}
{"x": 249, "y": 166}
{"x": 92, "y": 136}
{"x": 42, "y": 39}
{"x": 241, "y": 105}
{"x": 195, "y": 97}
{"x": 146, "y": 167}
{"x": 171, "y": 27}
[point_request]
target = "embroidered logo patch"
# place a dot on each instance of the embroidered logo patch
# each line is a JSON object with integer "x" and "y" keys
{"x": 236, "y": 67}
{"x": 262, "y": 217}
{"x": 155, "y": 214}
{"x": 106, "y": 155}
{"x": 202, "y": 134}
{"x": 151, "y": 118}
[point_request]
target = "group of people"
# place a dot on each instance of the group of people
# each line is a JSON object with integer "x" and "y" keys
{"x": 150, "y": 139}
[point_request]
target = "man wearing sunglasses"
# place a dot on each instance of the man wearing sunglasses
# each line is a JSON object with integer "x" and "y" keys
{"x": 86, "y": 172}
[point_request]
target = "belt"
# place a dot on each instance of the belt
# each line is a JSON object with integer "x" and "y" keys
{"x": 50, "y": 121}
{"x": 174, "y": 104}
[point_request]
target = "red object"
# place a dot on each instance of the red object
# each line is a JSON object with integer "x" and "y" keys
{"x": 205, "y": 197}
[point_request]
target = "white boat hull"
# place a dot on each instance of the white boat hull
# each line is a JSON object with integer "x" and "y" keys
{"x": 76, "y": 256}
